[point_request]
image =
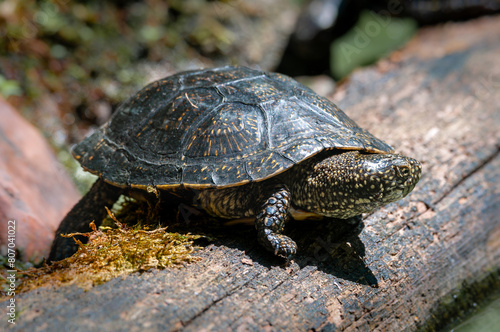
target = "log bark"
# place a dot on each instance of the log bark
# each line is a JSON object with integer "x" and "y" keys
{"x": 410, "y": 265}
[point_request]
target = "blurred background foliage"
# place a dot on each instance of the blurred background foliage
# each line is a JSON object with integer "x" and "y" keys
{"x": 76, "y": 60}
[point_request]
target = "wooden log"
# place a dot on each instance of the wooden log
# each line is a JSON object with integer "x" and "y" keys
{"x": 409, "y": 265}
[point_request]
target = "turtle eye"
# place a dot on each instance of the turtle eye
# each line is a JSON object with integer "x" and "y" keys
{"x": 402, "y": 171}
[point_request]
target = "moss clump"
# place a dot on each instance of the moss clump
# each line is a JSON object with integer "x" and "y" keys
{"x": 466, "y": 300}
{"x": 112, "y": 252}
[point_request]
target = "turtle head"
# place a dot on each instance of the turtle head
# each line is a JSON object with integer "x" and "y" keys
{"x": 351, "y": 183}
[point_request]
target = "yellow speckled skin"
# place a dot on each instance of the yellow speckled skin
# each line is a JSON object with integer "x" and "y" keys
{"x": 341, "y": 185}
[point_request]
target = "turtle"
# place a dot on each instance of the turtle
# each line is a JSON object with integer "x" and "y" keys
{"x": 245, "y": 143}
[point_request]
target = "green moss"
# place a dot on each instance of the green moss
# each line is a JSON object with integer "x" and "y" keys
{"x": 116, "y": 249}
{"x": 453, "y": 308}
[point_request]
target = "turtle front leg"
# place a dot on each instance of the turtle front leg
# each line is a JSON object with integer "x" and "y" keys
{"x": 270, "y": 222}
{"x": 90, "y": 208}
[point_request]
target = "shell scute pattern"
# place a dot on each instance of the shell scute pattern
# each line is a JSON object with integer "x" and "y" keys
{"x": 165, "y": 129}
{"x": 141, "y": 107}
{"x": 225, "y": 173}
{"x": 235, "y": 131}
{"x": 218, "y": 127}
{"x": 303, "y": 150}
{"x": 252, "y": 91}
{"x": 213, "y": 77}
{"x": 290, "y": 123}
{"x": 272, "y": 162}
{"x": 197, "y": 174}
{"x": 287, "y": 81}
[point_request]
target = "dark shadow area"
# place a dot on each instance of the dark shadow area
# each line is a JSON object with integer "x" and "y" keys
{"x": 332, "y": 245}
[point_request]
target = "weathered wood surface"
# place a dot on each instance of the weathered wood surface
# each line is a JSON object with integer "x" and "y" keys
{"x": 438, "y": 101}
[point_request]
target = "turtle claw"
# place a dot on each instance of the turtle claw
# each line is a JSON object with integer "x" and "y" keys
{"x": 280, "y": 244}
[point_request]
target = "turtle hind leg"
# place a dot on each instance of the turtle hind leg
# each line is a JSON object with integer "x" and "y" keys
{"x": 90, "y": 208}
{"x": 270, "y": 222}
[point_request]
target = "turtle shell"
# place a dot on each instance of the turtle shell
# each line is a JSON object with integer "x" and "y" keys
{"x": 217, "y": 128}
